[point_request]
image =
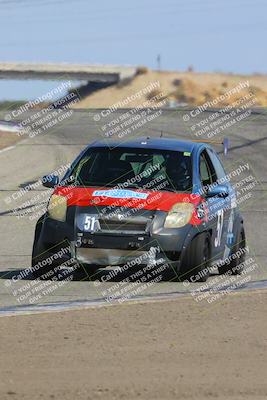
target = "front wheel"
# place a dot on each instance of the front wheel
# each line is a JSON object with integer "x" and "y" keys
{"x": 46, "y": 264}
{"x": 90, "y": 269}
{"x": 196, "y": 260}
{"x": 42, "y": 272}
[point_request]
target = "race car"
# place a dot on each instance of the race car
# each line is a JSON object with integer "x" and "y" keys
{"x": 148, "y": 199}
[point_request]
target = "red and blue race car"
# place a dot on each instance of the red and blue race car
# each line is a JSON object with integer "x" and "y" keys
{"x": 154, "y": 198}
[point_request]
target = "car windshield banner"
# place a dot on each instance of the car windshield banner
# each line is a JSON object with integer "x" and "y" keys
{"x": 120, "y": 194}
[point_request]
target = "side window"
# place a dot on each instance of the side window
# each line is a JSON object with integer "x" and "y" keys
{"x": 217, "y": 164}
{"x": 206, "y": 170}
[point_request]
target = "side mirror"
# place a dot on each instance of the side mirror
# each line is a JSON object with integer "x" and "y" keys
{"x": 218, "y": 191}
{"x": 50, "y": 181}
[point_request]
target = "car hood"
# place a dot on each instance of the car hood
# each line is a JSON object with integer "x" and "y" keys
{"x": 131, "y": 198}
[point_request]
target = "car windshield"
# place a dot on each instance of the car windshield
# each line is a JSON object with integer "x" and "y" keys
{"x": 134, "y": 168}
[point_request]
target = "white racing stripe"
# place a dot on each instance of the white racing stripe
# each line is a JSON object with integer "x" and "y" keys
{"x": 9, "y": 127}
{"x": 7, "y": 148}
{"x": 96, "y": 303}
{"x": 80, "y": 305}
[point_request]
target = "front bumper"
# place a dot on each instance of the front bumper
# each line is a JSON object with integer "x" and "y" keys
{"x": 105, "y": 248}
{"x": 105, "y": 257}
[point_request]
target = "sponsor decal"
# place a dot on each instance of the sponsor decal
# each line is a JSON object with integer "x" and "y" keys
{"x": 120, "y": 194}
{"x": 158, "y": 201}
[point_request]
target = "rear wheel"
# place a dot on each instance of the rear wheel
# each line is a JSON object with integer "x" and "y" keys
{"x": 237, "y": 257}
{"x": 195, "y": 263}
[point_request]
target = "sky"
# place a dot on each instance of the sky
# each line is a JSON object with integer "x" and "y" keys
{"x": 211, "y": 35}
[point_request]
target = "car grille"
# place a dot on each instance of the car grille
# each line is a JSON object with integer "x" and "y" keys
{"x": 118, "y": 226}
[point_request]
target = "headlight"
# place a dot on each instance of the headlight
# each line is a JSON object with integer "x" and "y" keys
{"x": 57, "y": 207}
{"x": 179, "y": 215}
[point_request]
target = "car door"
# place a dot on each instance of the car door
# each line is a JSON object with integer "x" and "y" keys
{"x": 218, "y": 207}
{"x": 230, "y": 203}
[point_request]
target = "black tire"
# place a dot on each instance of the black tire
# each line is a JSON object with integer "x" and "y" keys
{"x": 196, "y": 260}
{"x": 90, "y": 268}
{"x": 40, "y": 268}
{"x": 43, "y": 273}
{"x": 235, "y": 266}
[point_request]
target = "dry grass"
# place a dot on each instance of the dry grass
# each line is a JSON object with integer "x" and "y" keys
{"x": 183, "y": 87}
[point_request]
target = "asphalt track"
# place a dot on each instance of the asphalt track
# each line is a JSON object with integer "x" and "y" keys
{"x": 34, "y": 157}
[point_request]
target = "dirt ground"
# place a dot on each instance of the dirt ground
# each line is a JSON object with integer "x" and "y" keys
{"x": 191, "y": 88}
{"x": 163, "y": 350}
{"x": 8, "y": 139}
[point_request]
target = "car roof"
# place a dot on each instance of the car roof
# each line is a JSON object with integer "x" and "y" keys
{"x": 152, "y": 143}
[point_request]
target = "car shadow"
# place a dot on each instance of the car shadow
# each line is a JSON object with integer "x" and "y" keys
{"x": 132, "y": 274}
{"x": 114, "y": 274}
{"x": 104, "y": 275}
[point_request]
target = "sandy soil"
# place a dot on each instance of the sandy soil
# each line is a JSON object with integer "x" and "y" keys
{"x": 186, "y": 87}
{"x": 164, "y": 350}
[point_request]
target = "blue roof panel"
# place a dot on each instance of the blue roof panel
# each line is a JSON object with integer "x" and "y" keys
{"x": 152, "y": 143}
